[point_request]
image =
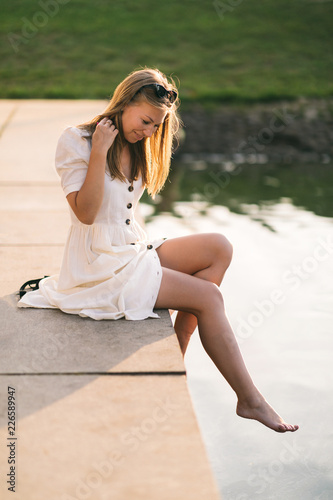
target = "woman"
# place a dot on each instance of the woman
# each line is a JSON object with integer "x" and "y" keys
{"x": 109, "y": 268}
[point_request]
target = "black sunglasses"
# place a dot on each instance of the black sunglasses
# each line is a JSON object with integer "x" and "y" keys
{"x": 30, "y": 286}
{"x": 161, "y": 91}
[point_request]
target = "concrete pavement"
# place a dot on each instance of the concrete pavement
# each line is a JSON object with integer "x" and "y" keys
{"x": 102, "y": 409}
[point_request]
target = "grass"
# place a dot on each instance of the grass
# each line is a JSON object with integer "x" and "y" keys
{"x": 255, "y": 51}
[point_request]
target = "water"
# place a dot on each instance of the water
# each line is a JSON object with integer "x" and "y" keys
{"x": 279, "y": 297}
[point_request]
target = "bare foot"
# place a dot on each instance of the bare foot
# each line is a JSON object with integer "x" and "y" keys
{"x": 260, "y": 410}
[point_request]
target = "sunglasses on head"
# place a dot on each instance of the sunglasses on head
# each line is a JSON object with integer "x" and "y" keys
{"x": 161, "y": 91}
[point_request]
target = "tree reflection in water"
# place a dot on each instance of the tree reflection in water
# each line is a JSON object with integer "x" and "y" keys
{"x": 238, "y": 186}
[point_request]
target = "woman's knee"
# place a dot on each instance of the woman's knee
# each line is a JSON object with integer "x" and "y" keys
{"x": 211, "y": 297}
{"x": 223, "y": 249}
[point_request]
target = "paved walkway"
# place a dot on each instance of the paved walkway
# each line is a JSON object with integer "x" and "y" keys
{"x": 102, "y": 408}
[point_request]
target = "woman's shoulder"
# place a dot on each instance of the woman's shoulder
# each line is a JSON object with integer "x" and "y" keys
{"x": 74, "y": 133}
{"x": 74, "y": 139}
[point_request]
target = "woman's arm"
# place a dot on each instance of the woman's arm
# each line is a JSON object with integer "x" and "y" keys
{"x": 86, "y": 202}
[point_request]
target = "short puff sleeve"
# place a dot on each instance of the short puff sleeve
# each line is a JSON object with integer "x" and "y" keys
{"x": 72, "y": 159}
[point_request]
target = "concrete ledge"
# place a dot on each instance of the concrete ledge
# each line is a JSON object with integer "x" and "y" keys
{"x": 106, "y": 437}
{"x": 42, "y": 341}
{"x": 101, "y": 407}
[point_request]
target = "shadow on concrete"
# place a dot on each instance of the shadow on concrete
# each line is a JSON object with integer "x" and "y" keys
{"x": 41, "y": 347}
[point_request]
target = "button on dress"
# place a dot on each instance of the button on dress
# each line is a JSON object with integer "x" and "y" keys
{"x": 110, "y": 269}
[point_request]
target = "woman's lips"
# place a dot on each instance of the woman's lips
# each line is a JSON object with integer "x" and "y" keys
{"x": 139, "y": 137}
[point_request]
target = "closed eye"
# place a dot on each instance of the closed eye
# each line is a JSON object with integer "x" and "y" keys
{"x": 145, "y": 122}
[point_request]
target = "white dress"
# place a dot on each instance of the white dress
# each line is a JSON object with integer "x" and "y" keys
{"x": 109, "y": 269}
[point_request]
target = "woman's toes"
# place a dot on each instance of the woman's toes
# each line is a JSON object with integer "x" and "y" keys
{"x": 287, "y": 428}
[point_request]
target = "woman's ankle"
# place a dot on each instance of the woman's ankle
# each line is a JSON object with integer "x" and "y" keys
{"x": 252, "y": 399}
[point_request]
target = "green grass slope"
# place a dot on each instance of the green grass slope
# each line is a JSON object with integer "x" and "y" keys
{"x": 233, "y": 50}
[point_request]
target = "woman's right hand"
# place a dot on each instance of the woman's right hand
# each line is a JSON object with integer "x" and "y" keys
{"x": 104, "y": 135}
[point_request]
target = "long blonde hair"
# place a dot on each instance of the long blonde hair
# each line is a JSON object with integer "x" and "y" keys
{"x": 151, "y": 156}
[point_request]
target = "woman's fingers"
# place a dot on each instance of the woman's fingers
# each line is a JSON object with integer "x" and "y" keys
{"x": 105, "y": 132}
{"x": 105, "y": 121}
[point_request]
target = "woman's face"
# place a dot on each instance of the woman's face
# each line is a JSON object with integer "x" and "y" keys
{"x": 141, "y": 120}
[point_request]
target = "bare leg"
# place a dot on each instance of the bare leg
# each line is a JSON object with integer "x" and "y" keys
{"x": 204, "y": 300}
{"x": 206, "y": 256}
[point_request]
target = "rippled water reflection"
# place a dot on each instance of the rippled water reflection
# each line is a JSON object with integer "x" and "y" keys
{"x": 279, "y": 298}
{"x": 238, "y": 186}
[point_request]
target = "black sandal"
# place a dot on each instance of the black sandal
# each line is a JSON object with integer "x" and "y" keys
{"x": 29, "y": 286}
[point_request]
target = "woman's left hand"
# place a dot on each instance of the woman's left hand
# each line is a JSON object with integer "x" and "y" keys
{"x": 104, "y": 135}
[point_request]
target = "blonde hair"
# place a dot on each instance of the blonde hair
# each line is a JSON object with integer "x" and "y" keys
{"x": 151, "y": 156}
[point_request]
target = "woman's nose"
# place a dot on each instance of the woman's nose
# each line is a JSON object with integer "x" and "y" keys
{"x": 148, "y": 131}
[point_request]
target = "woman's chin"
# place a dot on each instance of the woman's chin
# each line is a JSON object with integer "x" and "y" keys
{"x": 138, "y": 137}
